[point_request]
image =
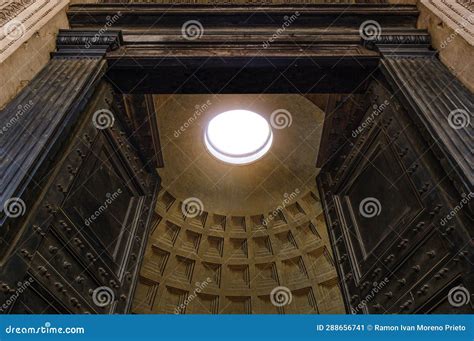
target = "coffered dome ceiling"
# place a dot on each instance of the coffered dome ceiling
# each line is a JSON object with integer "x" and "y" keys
{"x": 260, "y": 234}
{"x": 191, "y": 171}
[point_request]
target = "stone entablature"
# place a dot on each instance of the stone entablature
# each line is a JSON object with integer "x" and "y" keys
{"x": 20, "y": 19}
{"x": 10, "y": 9}
{"x": 458, "y": 14}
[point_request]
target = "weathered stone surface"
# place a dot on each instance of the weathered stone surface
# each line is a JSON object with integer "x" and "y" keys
{"x": 451, "y": 26}
{"x": 28, "y": 30}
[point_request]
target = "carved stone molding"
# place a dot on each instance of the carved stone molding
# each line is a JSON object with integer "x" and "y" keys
{"x": 20, "y": 19}
{"x": 10, "y": 9}
{"x": 403, "y": 39}
{"x": 78, "y": 43}
{"x": 457, "y": 14}
{"x": 467, "y": 3}
{"x": 401, "y": 43}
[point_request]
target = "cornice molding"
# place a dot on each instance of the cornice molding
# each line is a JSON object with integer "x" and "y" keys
{"x": 20, "y": 19}
{"x": 456, "y": 14}
{"x": 403, "y": 43}
{"x": 11, "y": 8}
{"x": 87, "y": 43}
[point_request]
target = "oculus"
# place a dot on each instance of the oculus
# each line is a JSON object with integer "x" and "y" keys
{"x": 238, "y": 137}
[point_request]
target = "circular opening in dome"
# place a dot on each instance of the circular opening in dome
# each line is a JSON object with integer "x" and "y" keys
{"x": 238, "y": 137}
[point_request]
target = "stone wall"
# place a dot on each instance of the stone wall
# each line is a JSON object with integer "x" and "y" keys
{"x": 28, "y": 30}
{"x": 451, "y": 26}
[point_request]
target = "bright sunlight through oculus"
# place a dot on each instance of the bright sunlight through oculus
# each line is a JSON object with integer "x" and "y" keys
{"x": 238, "y": 137}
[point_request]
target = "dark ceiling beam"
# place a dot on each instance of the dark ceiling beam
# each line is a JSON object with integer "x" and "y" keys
{"x": 162, "y": 16}
{"x": 238, "y": 52}
{"x": 303, "y": 74}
